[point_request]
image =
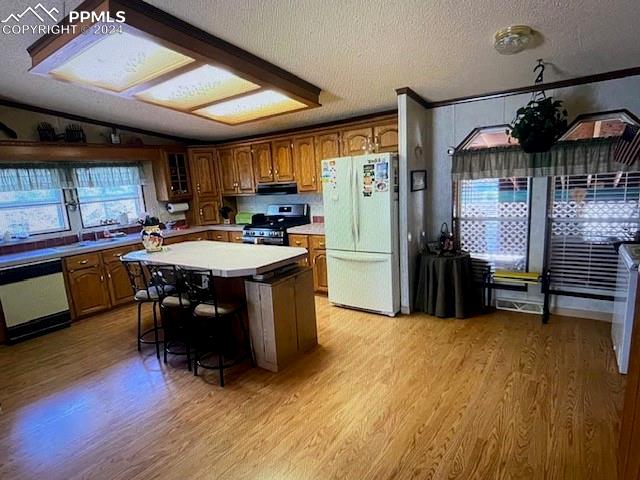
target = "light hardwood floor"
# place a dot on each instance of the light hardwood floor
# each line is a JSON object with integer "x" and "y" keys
{"x": 496, "y": 396}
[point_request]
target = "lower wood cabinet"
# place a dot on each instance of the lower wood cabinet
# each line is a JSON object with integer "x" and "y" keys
{"x": 219, "y": 235}
{"x": 235, "y": 237}
{"x": 89, "y": 290}
{"x": 317, "y": 258}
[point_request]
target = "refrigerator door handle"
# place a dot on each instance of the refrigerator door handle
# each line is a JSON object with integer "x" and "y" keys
{"x": 356, "y": 258}
{"x": 353, "y": 217}
{"x": 355, "y": 209}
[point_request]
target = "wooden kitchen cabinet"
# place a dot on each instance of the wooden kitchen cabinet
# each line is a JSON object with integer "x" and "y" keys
{"x": 86, "y": 284}
{"x": 244, "y": 170}
{"x": 207, "y": 197}
{"x": 235, "y": 237}
{"x": 118, "y": 282}
{"x": 302, "y": 241}
{"x": 283, "y": 167}
{"x": 226, "y": 169}
{"x": 319, "y": 264}
{"x": 262, "y": 162}
{"x": 305, "y": 163}
{"x": 219, "y": 235}
{"x": 356, "y": 141}
{"x": 171, "y": 176}
{"x": 385, "y": 137}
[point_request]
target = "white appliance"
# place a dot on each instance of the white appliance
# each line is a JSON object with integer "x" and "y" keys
{"x": 625, "y": 303}
{"x": 360, "y": 196}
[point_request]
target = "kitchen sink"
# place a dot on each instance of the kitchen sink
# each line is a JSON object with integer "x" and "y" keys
{"x": 85, "y": 243}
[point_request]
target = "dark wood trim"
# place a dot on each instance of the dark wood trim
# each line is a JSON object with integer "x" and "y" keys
{"x": 571, "y": 82}
{"x": 14, "y": 151}
{"x": 80, "y": 118}
{"x": 413, "y": 95}
{"x": 268, "y": 136}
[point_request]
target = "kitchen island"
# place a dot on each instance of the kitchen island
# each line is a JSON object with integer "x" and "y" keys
{"x": 278, "y": 293}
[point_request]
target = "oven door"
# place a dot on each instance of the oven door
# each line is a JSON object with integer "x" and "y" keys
{"x": 263, "y": 240}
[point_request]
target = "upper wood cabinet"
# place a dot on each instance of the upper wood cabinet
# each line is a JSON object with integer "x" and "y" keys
{"x": 385, "y": 137}
{"x": 235, "y": 166}
{"x": 262, "y": 162}
{"x": 356, "y": 141}
{"x": 283, "y": 169}
{"x": 203, "y": 172}
{"x": 226, "y": 168}
{"x": 305, "y": 163}
{"x": 327, "y": 146}
{"x": 244, "y": 170}
{"x": 171, "y": 176}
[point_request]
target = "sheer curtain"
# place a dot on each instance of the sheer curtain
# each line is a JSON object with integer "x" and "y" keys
{"x": 23, "y": 177}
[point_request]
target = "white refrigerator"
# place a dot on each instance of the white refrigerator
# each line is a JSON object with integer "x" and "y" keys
{"x": 625, "y": 303}
{"x": 360, "y": 196}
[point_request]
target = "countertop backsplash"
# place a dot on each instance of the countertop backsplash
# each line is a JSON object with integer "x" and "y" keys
{"x": 259, "y": 203}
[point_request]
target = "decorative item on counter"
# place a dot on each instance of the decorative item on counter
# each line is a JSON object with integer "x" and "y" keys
{"x": 226, "y": 213}
{"x": 446, "y": 243}
{"x": 152, "y": 238}
{"x": 244, "y": 218}
{"x": 123, "y": 218}
{"x": 541, "y": 122}
{"x": 74, "y": 134}
{"x": 47, "y": 133}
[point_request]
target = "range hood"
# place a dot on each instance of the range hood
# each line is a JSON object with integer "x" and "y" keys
{"x": 277, "y": 188}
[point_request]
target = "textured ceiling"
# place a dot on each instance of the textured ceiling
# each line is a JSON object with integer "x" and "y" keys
{"x": 358, "y": 52}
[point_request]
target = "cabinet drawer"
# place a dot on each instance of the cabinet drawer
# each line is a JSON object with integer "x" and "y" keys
{"x": 219, "y": 235}
{"x": 299, "y": 241}
{"x": 77, "y": 262}
{"x": 317, "y": 242}
{"x": 235, "y": 237}
{"x": 113, "y": 255}
{"x": 196, "y": 237}
{"x": 178, "y": 239}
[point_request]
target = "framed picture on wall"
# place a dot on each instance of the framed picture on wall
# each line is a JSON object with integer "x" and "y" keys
{"x": 418, "y": 180}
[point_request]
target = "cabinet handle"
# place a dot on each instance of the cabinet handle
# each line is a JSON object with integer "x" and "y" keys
{"x": 201, "y": 214}
{"x": 102, "y": 278}
{"x": 313, "y": 179}
{"x": 298, "y": 242}
{"x": 117, "y": 254}
{"x": 109, "y": 275}
{"x": 172, "y": 188}
{"x": 83, "y": 262}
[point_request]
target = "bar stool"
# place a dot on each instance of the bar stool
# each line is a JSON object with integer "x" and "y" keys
{"x": 147, "y": 288}
{"x": 211, "y": 318}
{"x": 176, "y": 315}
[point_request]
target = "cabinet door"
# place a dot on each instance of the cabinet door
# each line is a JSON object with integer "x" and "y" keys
{"x": 319, "y": 264}
{"x": 227, "y": 170}
{"x": 219, "y": 235}
{"x": 235, "y": 237}
{"x": 356, "y": 141}
{"x": 282, "y": 161}
{"x": 305, "y": 161}
{"x": 89, "y": 291}
{"x": 244, "y": 170}
{"x": 204, "y": 174}
{"x": 327, "y": 146}
{"x": 178, "y": 176}
{"x": 262, "y": 164}
{"x": 385, "y": 137}
{"x": 208, "y": 211}
{"x": 118, "y": 282}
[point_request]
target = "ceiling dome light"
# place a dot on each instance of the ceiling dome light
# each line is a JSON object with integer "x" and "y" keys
{"x": 513, "y": 39}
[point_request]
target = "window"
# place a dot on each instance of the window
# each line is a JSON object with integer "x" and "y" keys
{"x": 493, "y": 221}
{"x": 588, "y": 214}
{"x": 599, "y": 125}
{"x": 488, "y": 137}
{"x": 40, "y": 211}
{"x": 99, "y": 204}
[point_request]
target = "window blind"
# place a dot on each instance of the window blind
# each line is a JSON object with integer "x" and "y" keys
{"x": 588, "y": 214}
{"x": 493, "y": 221}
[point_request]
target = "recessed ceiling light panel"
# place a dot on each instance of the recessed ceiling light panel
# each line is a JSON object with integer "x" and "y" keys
{"x": 120, "y": 61}
{"x": 251, "y": 107}
{"x": 513, "y": 39}
{"x": 205, "y": 84}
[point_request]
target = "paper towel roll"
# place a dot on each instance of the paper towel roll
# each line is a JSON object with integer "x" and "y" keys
{"x": 177, "y": 207}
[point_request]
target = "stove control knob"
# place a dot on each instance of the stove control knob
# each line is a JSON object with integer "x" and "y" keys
{"x": 261, "y": 233}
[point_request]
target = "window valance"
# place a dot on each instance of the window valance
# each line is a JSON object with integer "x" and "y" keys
{"x": 23, "y": 177}
{"x": 578, "y": 157}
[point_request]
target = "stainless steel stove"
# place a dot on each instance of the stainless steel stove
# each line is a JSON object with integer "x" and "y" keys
{"x": 271, "y": 229}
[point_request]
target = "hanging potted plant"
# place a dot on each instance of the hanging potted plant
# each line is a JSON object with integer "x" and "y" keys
{"x": 539, "y": 125}
{"x": 152, "y": 238}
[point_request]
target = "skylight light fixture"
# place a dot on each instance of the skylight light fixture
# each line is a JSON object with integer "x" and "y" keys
{"x": 251, "y": 107}
{"x": 159, "y": 59}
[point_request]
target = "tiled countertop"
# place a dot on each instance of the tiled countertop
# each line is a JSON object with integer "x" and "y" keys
{"x": 308, "y": 229}
{"x": 42, "y": 254}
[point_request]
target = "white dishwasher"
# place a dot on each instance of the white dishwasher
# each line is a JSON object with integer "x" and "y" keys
{"x": 625, "y": 303}
{"x": 33, "y": 299}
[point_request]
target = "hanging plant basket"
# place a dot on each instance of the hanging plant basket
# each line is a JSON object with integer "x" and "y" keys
{"x": 539, "y": 124}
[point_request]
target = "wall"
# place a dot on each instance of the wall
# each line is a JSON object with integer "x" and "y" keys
{"x": 449, "y": 125}
{"x": 259, "y": 203}
{"x": 414, "y": 144}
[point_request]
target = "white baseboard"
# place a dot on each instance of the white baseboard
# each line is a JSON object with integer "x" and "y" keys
{"x": 573, "y": 312}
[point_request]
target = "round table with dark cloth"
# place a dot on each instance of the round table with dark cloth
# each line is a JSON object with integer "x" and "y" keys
{"x": 445, "y": 286}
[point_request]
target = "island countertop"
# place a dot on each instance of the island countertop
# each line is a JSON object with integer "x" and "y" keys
{"x": 223, "y": 259}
